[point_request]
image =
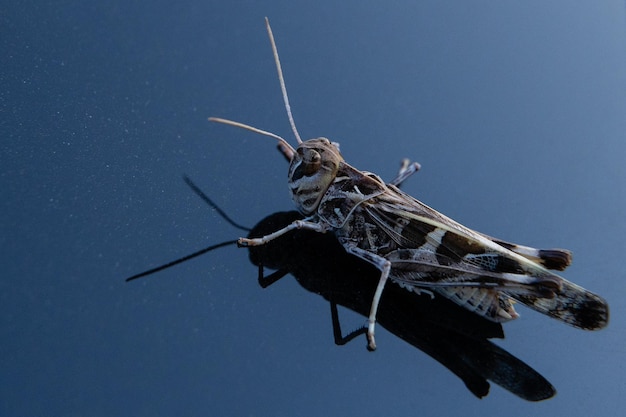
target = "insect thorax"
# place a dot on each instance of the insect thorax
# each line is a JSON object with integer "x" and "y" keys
{"x": 311, "y": 171}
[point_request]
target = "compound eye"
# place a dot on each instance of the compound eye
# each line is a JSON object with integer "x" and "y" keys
{"x": 312, "y": 162}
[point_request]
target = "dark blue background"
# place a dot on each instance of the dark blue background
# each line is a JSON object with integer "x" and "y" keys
{"x": 516, "y": 110}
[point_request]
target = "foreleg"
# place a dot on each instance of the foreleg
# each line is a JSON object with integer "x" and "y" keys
{"x": 298, "y": 224}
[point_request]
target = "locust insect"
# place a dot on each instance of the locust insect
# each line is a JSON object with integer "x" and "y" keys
{"x": 417, "y": 247}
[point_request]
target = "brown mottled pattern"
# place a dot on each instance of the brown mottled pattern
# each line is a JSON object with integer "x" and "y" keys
{"x": 427, "y": 249}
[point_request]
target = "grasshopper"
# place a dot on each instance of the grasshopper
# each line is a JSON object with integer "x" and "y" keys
{"x": 414, "y": 245}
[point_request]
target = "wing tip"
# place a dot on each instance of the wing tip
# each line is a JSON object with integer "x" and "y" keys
{"x": 555, "y": 259}
{"x": 594, "y": 314}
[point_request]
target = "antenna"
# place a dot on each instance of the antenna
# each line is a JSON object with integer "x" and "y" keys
{"x": 282, "y": 141}
{"x": 287, "y": 150}
{"x": 282, "y": 81}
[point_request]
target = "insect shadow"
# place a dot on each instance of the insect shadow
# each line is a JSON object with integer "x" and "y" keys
{"x": 455, "y": 337}
{"x": 445, "y": 331}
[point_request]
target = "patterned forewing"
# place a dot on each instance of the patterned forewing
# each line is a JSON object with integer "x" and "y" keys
{"x": 415, "y": 226}
{"x": 435, "y": 251}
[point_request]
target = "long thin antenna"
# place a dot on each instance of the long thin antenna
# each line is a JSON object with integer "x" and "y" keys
{"x": 282, "y": 81}
{"x": 255, "y": 130}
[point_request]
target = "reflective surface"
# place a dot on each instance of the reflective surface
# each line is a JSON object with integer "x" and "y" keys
{"x": 515, "y": 111}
